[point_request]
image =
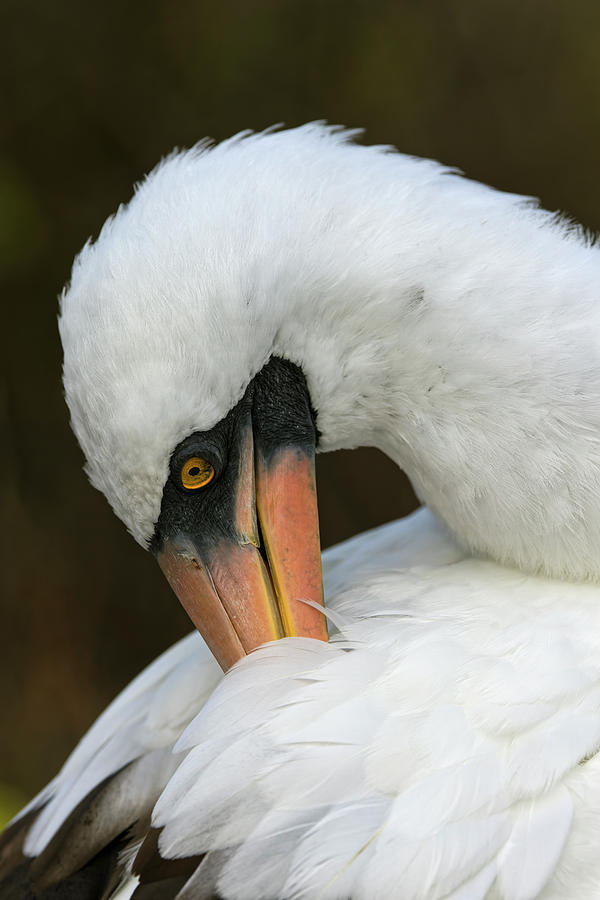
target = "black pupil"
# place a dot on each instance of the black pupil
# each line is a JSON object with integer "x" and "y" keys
{"x": 194, "y": 471}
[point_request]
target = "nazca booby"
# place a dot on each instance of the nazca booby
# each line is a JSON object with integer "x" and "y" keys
{"x": 257, "y": 298}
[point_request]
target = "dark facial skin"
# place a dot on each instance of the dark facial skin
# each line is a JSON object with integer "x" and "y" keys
{"x": 277, "y": 407}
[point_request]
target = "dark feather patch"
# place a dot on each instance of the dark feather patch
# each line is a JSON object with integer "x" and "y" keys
{"x": 160, "y": 890}
{"x": 12, "y": 840}
{"x": 151, "y": 867}
{"x": 87, "y": 884}
{"x": 121, "y": 803}
{"x": 81, "y": 860}
{"x": 72, "y": 847}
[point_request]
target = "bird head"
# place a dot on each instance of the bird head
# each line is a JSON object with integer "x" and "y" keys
{"x": 290, "y": 289}
{"x": 189, "y": 371}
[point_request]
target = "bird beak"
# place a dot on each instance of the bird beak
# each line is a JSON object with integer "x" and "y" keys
{"x": 247, "y": 586}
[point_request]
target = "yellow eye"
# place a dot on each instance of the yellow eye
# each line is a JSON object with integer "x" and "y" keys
{"x": 196, "y": 472}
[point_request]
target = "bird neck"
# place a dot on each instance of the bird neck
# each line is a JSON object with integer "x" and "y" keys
{"x": 469, "y": 355}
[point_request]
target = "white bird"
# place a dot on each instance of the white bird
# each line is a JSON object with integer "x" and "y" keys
{"x": 254, "y": 299}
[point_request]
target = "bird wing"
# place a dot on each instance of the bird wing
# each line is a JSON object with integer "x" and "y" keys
{"x": 443, "y": 745}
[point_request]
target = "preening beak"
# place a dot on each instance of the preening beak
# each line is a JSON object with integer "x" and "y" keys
{"x": 244, "y": 583}
{"x": 286, "y": 495}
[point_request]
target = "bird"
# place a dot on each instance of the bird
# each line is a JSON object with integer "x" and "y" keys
{"x": 427, "y": 726}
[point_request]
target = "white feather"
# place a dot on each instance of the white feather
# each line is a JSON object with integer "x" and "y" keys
{"x": 535, "y": 846}
{"x": 126, "y": 889}
{"x": 371, "y": 762}
{"x": 429, "y": 748}
{"x": 475, "y": 888}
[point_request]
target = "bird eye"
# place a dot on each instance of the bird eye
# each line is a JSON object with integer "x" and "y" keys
{"x": 196, "y": 473}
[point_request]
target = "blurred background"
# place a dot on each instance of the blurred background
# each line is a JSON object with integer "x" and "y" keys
{"x": 91, "y": 96}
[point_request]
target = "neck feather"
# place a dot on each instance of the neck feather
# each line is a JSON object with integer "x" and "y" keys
{"x": 462, "y": 339}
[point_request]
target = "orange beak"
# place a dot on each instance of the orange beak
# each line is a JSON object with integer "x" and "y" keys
{"x": 247, "y": 586}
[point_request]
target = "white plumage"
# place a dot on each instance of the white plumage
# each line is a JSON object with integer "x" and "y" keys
{"x": 444, "y": 744}
{"x": 450, "y": 753}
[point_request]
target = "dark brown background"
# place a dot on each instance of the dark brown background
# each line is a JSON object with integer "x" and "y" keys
{"x": 91, "y": 96}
